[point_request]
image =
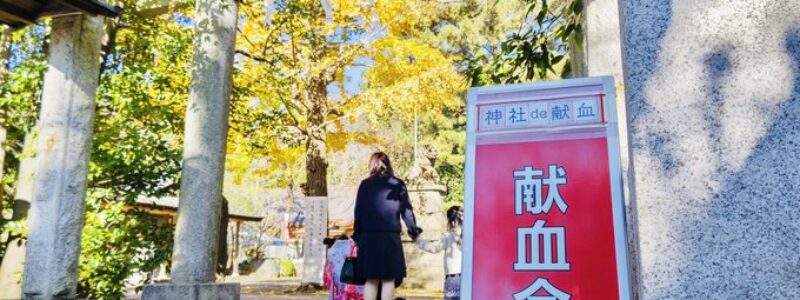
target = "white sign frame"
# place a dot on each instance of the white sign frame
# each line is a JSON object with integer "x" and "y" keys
{"x": 614, "y": 158}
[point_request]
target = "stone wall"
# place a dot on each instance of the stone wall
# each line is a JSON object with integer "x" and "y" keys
{"x": 713, "y": 90}
{"x": 426, "y": 270}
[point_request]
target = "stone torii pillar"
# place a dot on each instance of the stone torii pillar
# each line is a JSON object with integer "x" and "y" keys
{"x": 194, "y": 258}
{"x": 62, "y": 161}
{"x": 713, "y": 91}
{"x": 603, "y": 38}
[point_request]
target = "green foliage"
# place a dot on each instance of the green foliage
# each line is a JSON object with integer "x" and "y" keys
{"x": 116, "y": 243}
{"x": 137, "y": 148}
{"x": 20, "y": 92}
{"x": 288, "y": 89}
{"x": 538, "y": 51}
{"x": 141, "y": 102}
{"x": 288, "y": 57}
{"x": 287, "y": 268}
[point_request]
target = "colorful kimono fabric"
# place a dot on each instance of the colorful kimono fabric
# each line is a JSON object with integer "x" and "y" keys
{"x": 337, "y": 290}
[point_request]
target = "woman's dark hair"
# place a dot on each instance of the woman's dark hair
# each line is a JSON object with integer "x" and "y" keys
{"x": 328, "y": 242}
{"x": 455, "y": 218}
{"x": 379, "y": 164}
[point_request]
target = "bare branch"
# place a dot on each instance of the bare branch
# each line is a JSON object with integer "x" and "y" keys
{"x": 251, "y": 56}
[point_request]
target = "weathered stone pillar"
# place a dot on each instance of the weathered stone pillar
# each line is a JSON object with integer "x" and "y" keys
{"x": 62, "y": 159}
{"x": 11, "y": 269}
{"x": 604, "y": 58}
{"x": 194, "y": 258}
{"x": 713, "y": 90}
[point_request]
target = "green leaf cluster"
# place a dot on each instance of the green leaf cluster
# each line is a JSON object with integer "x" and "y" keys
{"x": 538, "y": 50}
{"x": 117, "y": 242}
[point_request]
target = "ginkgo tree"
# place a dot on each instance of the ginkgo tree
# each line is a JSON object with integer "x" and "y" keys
{"x": 297, "y": 50}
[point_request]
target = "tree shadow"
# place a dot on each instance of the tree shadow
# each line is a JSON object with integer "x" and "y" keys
{"x": 737, "y": 237}
{"x": 750, "y": 236}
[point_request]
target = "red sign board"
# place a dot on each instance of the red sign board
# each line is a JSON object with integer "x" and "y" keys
{"x": 544, "y": 208}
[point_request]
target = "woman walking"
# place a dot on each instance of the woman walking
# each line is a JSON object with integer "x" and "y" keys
{"x": 382, "y": 200}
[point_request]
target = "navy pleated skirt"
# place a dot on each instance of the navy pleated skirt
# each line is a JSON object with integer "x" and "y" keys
{"x": 380, "y": 256}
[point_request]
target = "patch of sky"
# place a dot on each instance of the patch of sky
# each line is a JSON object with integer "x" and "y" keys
{"x": 22, "y": 52}
{"x": 183, "y": 20}
{"x": 353, "y": 78}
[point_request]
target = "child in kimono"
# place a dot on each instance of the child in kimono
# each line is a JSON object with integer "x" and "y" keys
{"x": 339, "y": 249}
{"x": 450, "y": 243}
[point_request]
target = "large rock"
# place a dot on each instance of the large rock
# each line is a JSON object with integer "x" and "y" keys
{"x": 426, "y": 270}
{"x": 713, "y": 91}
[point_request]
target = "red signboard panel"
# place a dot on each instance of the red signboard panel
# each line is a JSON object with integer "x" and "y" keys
{"x": 544, "y": 214}
{"x": 588, "y": 219}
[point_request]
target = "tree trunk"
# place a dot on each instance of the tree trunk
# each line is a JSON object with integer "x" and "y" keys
{"x": 316, "y": 183}
{"x": 316, "y": 143}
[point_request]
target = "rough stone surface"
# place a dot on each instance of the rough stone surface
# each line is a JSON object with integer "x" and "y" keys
{"x": 426, "y": 270}
{"x": 195, "y": 254}
{"x": 713, "y": 91}
{"x": 62, "y": 161}
{"x": 12, "y": 266}
{"x": 316, "y": 229}
{"x": 204, "y": 291}
{"x": 604, "y": 57}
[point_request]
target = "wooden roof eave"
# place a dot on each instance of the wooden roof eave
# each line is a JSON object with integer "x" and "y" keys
{"x": 26, "y": 12}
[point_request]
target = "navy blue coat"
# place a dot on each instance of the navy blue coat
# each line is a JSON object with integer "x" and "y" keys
{"x": 380, "y": 204}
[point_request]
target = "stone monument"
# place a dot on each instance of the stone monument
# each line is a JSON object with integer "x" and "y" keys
{"x": 713, "y": 91}
{"x": 316, "y": 229}
{"x": 425, "y": 270}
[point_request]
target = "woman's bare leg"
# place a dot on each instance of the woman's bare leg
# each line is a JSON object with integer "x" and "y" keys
{"x": 387, "y": 289}
{"x": 371, "y": 289}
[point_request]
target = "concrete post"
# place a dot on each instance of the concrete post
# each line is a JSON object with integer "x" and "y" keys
{"x": 194, "y": 258}
{"x": 12, "y": 267}
{"x": 62, "y": 159}
{"x": 235, "y": 254}
{"x": 713, "y": 91}
{"x": 603, "y": 58}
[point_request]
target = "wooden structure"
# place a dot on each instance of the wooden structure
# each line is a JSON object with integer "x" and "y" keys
{"x": 166, "y": 210}
{"x": 18, "y": 13}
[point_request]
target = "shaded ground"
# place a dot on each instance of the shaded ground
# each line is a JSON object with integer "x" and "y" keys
{"x": 286, "y": 289}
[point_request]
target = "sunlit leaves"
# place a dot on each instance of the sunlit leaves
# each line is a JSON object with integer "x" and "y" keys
{"x": 539, "y": 51}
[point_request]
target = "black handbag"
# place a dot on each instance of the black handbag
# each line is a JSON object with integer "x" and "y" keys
{"x": 349, "y": 275}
